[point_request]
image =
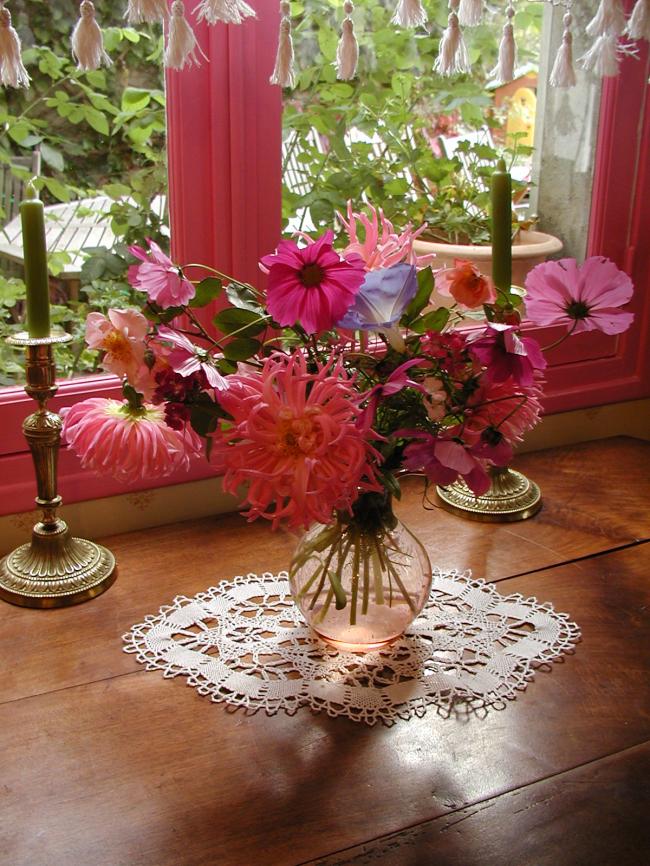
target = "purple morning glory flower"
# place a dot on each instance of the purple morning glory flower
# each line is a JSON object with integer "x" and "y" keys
{"x": 382, "y": 299}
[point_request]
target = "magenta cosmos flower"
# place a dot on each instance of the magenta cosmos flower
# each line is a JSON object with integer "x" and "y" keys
{"x": 311, "y": 285}
{"x": 294, "y": 440}
{"x": 446, "y": 457}
{"x": 111, "y": 439}
{"x": 159, "y": 277}
{"x": 187, "y": 358}
{"x": 507, "y": 355}
{"x": 584, "y": 298}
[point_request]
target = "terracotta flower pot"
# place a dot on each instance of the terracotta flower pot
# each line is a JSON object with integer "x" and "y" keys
{"x": 529, "y": 250}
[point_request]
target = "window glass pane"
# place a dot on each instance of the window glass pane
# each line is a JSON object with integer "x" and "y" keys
{"x": 416, "y": 143}
{"x": 97, "y": 142}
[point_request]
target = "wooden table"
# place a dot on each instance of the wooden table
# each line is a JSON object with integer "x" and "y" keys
{"x": 103, "y": 763}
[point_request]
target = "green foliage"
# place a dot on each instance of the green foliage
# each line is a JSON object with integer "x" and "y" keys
{"x": 99, "y": 133}
{"x": 376, "y": 136}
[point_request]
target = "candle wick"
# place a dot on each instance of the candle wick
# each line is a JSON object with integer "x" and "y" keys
{"x": 30, "y": 189}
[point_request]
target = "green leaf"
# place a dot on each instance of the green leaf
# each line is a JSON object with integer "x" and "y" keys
{"x": 135, "y": 99}
{"x": 433, "y": 321}
{"x": 59, "y": 190}
{"x": 236, "y": 319}
{"x": 241, "y": 349}
{"x": 96, "y": 119}
{"x": 52, "y": 156}
{"x": 421, "y": 299}
{"x": 244, "y": 297}
{"x": 117, "y": 190}
{"x": 206, "y": 291}
{"x": 204, "y": 416}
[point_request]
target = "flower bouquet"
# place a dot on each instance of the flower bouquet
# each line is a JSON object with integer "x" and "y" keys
{"x": 315, "y": 393}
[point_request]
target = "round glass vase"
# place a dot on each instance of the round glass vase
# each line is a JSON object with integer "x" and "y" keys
{"x": 360, "y": 581}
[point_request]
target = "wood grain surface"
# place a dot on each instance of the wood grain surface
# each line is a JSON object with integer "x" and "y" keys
{"x": 105, "y": 764}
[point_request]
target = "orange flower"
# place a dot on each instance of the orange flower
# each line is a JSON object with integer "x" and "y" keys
{"x": 466, "y": 285}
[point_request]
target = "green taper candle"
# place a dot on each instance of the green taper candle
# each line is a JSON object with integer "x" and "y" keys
{"x": 32, "y": 219}
{"x": 501, "y": 227}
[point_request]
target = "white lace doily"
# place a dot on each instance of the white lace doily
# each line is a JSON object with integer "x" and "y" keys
{"x": 244, "y": 642}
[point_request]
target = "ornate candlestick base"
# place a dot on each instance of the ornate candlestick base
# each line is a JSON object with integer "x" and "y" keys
{"x": 55, "y": 569}
{"x": 511, "y": 497}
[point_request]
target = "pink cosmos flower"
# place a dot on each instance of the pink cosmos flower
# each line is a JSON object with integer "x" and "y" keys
{"x": 506, "y": 407}
{"x": 121, "y": 336}
{"x": 294, "y": 440}
{"x": 466, "y": 285}
{"x": 186, "y": 358}
{"x": 111, "y": 439}
{"x": 584, "y": 298}
{"x": 159, "y": 277}
{"x": 311, "y": 285}
{"x": 446, "y": 457}
{"x": 381, "y": 246}
{"x": 506, "y": 355}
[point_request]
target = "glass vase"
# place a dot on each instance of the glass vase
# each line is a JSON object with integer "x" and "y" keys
{"x": 360, "y": 581}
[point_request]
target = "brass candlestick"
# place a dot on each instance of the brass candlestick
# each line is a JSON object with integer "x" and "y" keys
{"x": 55, "y": 569}
{"x": 511, "y": 497}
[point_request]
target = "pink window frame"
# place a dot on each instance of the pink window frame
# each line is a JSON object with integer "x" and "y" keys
{"x": 224, "y": 150}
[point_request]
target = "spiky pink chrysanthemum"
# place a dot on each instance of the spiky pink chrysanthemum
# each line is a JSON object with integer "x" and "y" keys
{"x": 295, "y": 441}
{"x": 382, "y": 246}
{"x": 584, "y": 298}
{"x": 312, "y": 285}
{"x": 159, "y": 277}
{"x": 112, "y": 439}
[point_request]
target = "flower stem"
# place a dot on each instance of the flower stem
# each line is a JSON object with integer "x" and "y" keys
{"x": 366, "y": 575}
{"x": 355, "y": 578}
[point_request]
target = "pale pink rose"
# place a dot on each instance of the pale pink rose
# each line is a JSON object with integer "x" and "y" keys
{"x": 121, "y": 336}
{"x": 129, "y": 445}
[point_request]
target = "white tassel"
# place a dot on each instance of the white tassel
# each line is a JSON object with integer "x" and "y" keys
{"x": 470, "y": 13}
{"x": 181, "y": 42}
{"x": 347, "y": 53}
{"x": 409, "y": 13}
{"x": 638, "y": 27}
{"x": 12, "y": 71}
{"x": 87, "y": 40}
{"x": 452, "y": 54}
{"x": 609, "y": 20}
{"x": 602, "y": 58}
{"x": 505, "y": 68}
{"x": 146, "y": 11}
{"x": 563, "y": 74}
{"x": 283, "y": 73}
{"x": 228, "y": 11}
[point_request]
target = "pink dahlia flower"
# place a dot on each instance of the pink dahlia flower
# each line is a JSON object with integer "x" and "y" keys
{"x": 584, "y": 298}
{"x": 111, "y": 439}
{"x": 506, "y": 355}
{"x": 311, "y": 285}
{"x": 466, "y": 285}
{"x": 187, "y": 358}
{"x": 381, "y": 246}
{"x": 159, "y": 277}
{"x": 121, "y": 336}
{"x": 295, "y": 441}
